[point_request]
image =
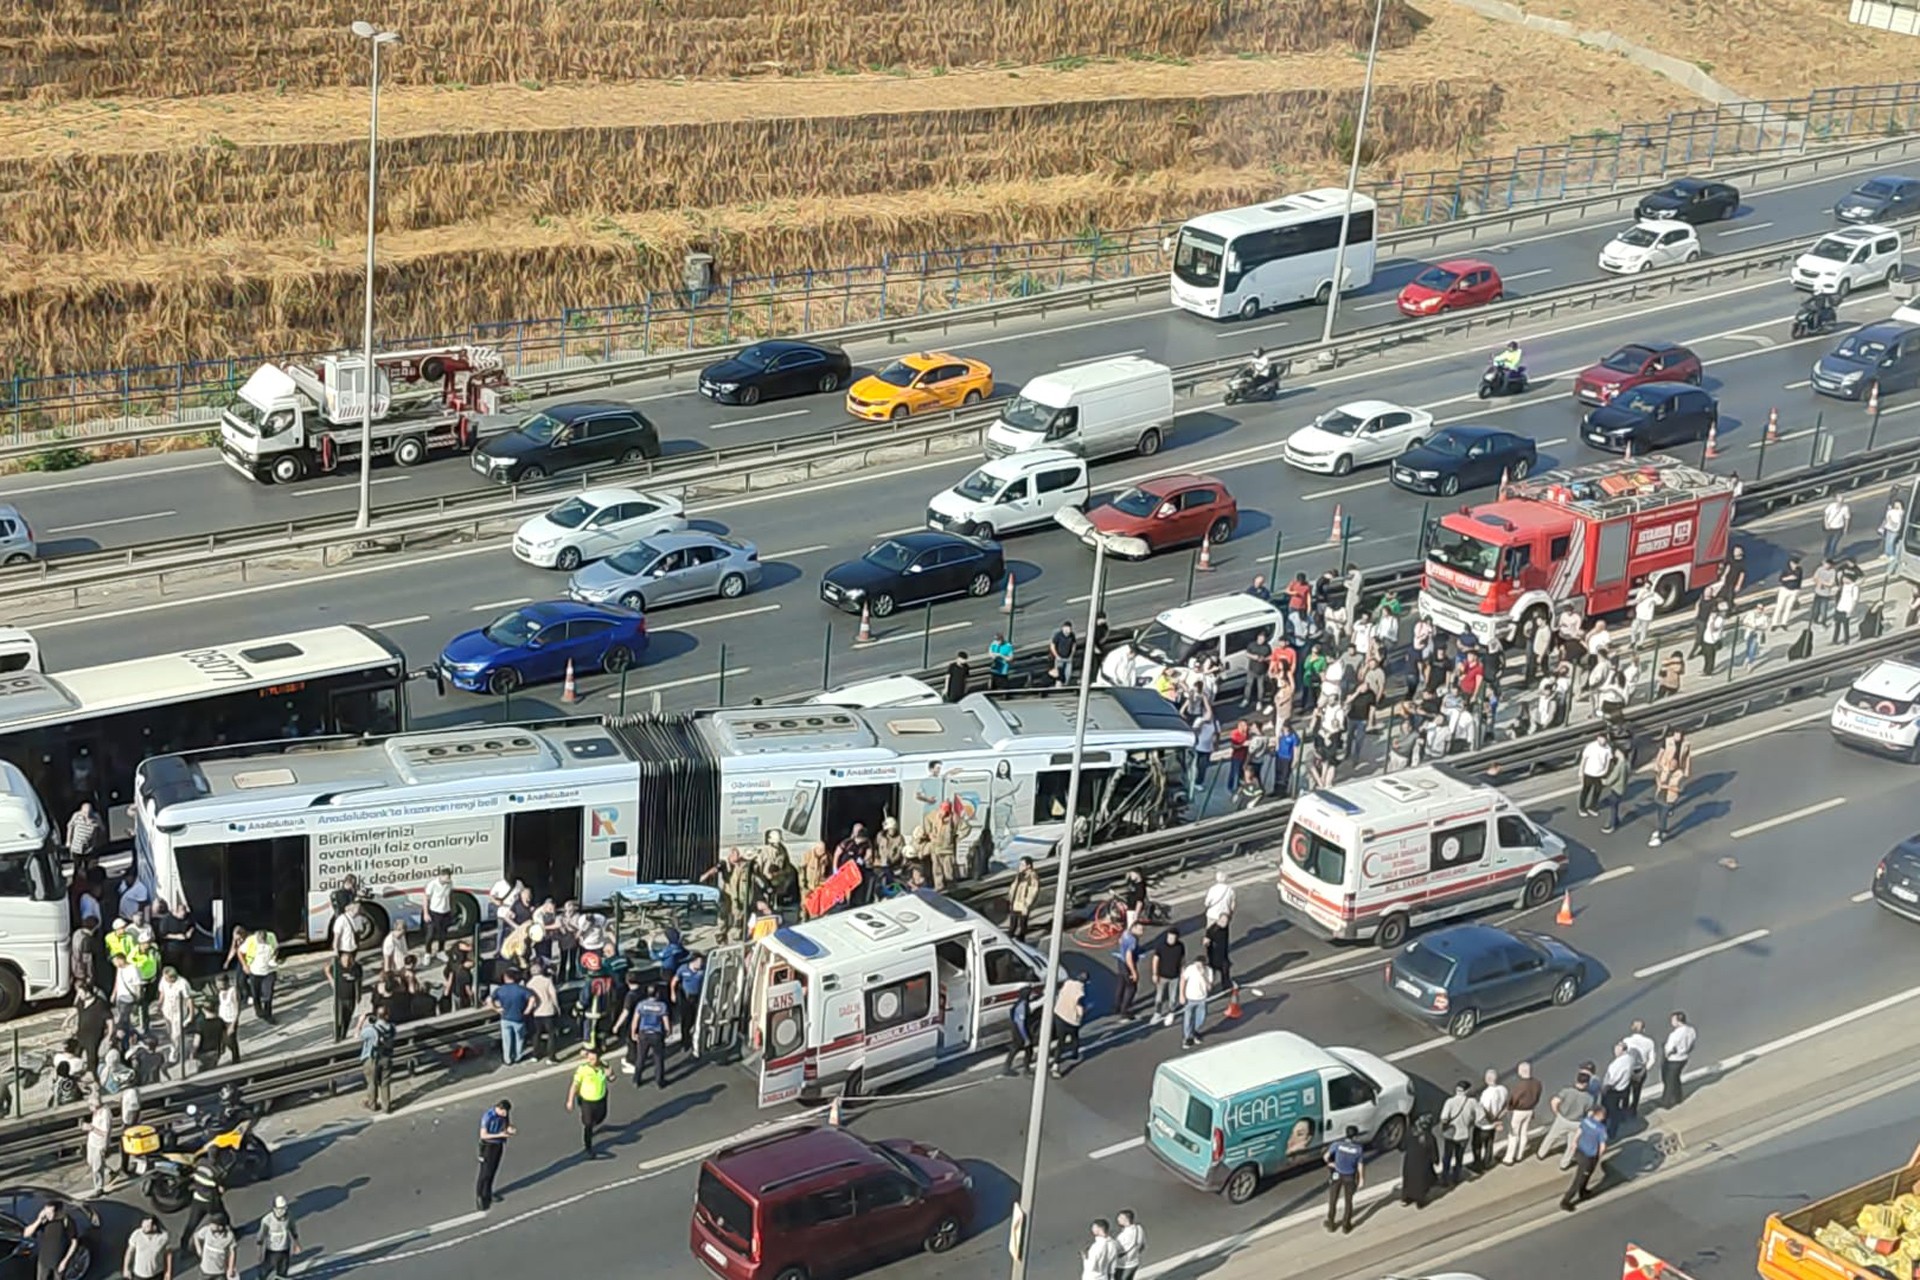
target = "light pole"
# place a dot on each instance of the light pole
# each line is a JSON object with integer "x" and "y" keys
{"x": 1104, "y": 544}
{"x": 374, "y": 37}
{"x": 1353, "y": 174}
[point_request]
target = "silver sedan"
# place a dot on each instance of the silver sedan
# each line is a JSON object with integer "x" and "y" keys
{"x": 667, "y": 569}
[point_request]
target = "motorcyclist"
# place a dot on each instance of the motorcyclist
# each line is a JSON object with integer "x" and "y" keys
{"x": 1509, "y": 360}
{"x": 1262, "y": 371}
{"x": 1821, "y": 310}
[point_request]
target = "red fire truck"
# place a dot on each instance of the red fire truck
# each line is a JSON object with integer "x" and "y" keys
{"x": 1583, "y": 537}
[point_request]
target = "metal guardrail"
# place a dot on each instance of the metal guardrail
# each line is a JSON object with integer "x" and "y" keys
{"x": 585, "y": 348}
{"x": 844, "y": 450}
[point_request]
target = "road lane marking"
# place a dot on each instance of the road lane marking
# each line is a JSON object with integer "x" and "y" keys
{"x": 718, "y": 617}
{"x": 315, "y": 491}
{"x": 1780, "y": 439}
{"x": 1425, "y": 1046}
{"x": 1863, "y": 896}
{"x": 1234, "y": 332}
{"x": 1375, "y": 306}
{"x": 1548, "y": 444}
{"x": 1612, "y": 873}
{"x": 402, "y": 622}
{"x": 1130, "y": 351}
{"x": 500, "y": 604}
{"x": 1752, "y": 935}
{"x": 102, "y": 524}
{"x": 797, "y": 551}
{"x": 1537, "y": 271}
{"x": 117, "y": 478}
{"x": 1116, "y": 1148}
{"x": 1029, "y": 334}
{"x": 1751, "y": 226}
{"x": 915, "y": 635}
{"x": 1785, "y": 818}
{"x": 676, "y": 684}
{"x": 1121, "y": 591}
{"x": 1798, "y": 386}
{"x": 1349, "y": 488}
{"x": 764, "y": 417}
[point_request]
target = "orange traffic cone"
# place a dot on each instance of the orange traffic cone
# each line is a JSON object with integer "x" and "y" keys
{"x": 1773, "y": 426}
{"x": 866, "y": 628}
{"x": 1006, "y": 600}
{"x": 567, "y": 692}
{"x": 1233, "y": 1002}
{"x": 1334, "y": 537}
{"x": 1713, "y": 440}
{"x": 1206, "y": 556}
{"x": 1565, "y": 916}
{"x": 1873, "y": 399}
{"x": 1506, "y": 478}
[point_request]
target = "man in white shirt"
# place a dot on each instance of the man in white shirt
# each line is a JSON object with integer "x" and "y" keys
{"x": 1101, "y": 1254}
{"x": 1614, "y": 1084}
{"x": 1646, "y": 604}
{"x": 1486, "y": 1125}
{"x": 1595, "y": 759}
{"x": 1220, "y": 900}
{"x": 1645, "y": 1053}
{"x": 439, "y": 913}
{"x": 1835, "y": 518}
{"x": 1196, "y": 984}
{"x": 1673, "y": 1067}
{"x": 1132, "y": 1244}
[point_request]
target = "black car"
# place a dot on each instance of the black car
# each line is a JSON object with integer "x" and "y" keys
{"x": 770, "y": 370}
{"x": 1456, "y": 458}
{"x": 1896, "y": 881}
{"x": 1879, "y": 200}
{"x": 1658, "y": 415}
{"x": 1692, "y": 200}
{"x": 913, "y": 568}
{"x": 566, "y": 437}
{"x": 1460, "y": 976}
{"x": 19, "y": 1206}
{"x": 1884, "y": 355}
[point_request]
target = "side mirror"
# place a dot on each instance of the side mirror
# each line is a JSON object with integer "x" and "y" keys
{"x": 1166, "y": 509}
{"x": 537, "y": 642}
{"x": 913, "y": 568}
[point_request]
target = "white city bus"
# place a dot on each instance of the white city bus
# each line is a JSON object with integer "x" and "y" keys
{"x": 1241, "y": 262}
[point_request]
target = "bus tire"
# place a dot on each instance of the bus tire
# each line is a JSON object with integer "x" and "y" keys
{"x": 1250, "y": 309}
{"x": 1393, "y": 929}
{"x": 13, "y": 993}
{"x": 466, "y": 914}
{"x": 1325, "y": 293}
{"x": 374, "y": 926}
{"x": 288, "y": 468}
{"x": 410, "y": 451}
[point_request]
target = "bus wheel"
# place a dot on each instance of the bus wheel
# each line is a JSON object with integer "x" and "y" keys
{"x": 374, "y": 925}
{"x": 466, "y": 914}
{"x": 288, "y": 467}
{"x": 1392, "y": 931}
{"x": 1241, "y": 1184}
{"x": 13, "y": 995}
{"x": 1250, "y": 309}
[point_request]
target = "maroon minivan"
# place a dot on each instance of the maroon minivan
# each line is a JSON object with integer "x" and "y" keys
{"x": 808, "y": 1204}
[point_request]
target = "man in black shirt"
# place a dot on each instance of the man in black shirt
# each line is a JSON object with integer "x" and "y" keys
{"x": 54, "y": 1240}
{"x": 1259, "y": 657}
{"x": 1169, "y": 957}
{"x": 959, "y": 675}
{"x": 459, "y": 978}
{"x": 1060, "y": 649}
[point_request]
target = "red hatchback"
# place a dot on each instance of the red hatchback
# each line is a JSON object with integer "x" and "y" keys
{"x": 1634, "y": 365}
{"x": 824, "y": 1202}
{"x": 1170, "y": 511}
{"x": 1447, "y": 286}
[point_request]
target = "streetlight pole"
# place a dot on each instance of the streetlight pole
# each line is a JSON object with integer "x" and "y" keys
{"x": 1353, "y": 174}
{"x": 374, "y": 38}
{"x": 1077, "y": 523}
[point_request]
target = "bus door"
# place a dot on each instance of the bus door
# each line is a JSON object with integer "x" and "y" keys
{"x": 543, "y": 851}
{"x": 716, "y": 1031}
{"x": 365, "y": 709}
{"x": 783, "y": 1040}
{"x": 257, "y": 883}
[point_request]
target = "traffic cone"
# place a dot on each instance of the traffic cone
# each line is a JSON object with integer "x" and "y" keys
{"x": 834, "y": 1116}
{"x": 1006, "y": 599}
{"x": 1206, "y": 556}
{"x": 1873, "y": 400}
{"x": 567, "y": 692}
{"x": 1628, "y": 455}
{"x": 1773, "y": 426}
{"x": 866, "y": 628}
{"x": 1506, "y": 478}
{"x": 1713, "y": 440}
{"x": 1233, "y": 1002}
{"x": 1565, "y": 916}
{"x": 1333, "y": 538}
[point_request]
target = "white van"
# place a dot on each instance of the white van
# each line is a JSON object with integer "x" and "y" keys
{"x": 1018, "y": 491}
{"x": 1219, "y": 626}
{"x": 1096, "y": 410}
{"x": 1372, "y": 858}
{"x": 1848, "y": 259}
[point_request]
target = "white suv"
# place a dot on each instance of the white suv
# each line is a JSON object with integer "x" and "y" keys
{"x": 1844, "y": 260}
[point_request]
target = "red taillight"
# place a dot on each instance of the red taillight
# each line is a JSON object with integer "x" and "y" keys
{"x": 1439, "y": 1002}
{"x": 1219, "y": 1144}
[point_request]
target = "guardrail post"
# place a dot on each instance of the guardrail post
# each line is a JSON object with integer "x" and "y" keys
{"x": 723, "y": 674}
{"x": 1813, "y": 452}
{"x": 1274, "y": 580}
{"x": 926, "y": 640}
{"x": 1193, "y": 567}
{"x": 1760, "y": 468}
{"x": 826, "y": 660}
{"x": 624, "y": 673}
{"x": 13, "y": 1077}
{"x": 1873, "y": 427}
{"x": 1346, "y": 536}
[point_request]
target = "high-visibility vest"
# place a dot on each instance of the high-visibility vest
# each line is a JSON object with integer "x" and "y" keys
{"x": 591, "y": 1081}
{"x": 119, "y": 943}
{"x": 146, "y": 960}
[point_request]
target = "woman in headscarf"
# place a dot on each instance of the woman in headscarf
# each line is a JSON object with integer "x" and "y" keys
{"x": 1418, "y": 1158}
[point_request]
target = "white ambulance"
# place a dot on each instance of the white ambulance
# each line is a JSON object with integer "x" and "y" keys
{"x": 1369, "y": 859}
{"x": 863, "y": 998}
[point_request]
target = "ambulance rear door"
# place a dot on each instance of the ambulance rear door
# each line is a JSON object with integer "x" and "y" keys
{"x": 783, "y": 1044}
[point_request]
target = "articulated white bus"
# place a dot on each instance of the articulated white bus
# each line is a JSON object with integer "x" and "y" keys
{"x": 1241, "y": 262}
{"x": 261, "y": 835}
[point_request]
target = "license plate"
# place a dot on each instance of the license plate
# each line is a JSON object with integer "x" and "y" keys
{"x": 714, "y": 1253}
{"x": 1408, "y": 987}
{"x": 1905, "y": 895}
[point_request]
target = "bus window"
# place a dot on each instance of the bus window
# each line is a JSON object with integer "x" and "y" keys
{"x": 370, "y": 710}
{"x": 1050, "y": 793}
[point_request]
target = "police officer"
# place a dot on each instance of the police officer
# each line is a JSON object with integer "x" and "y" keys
{"x": 1347, "y": 1159}
{"x": 589, "y": 1089}
{"x": 650, "y": 1039}
{"x": 496, "y": 1127}
{"x": 688, "y": 979}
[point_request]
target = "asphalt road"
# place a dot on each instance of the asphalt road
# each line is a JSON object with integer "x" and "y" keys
{"x": 1747, "y": 919}
{"x": 775, "y": 642}
{"x": 123, "y": 503}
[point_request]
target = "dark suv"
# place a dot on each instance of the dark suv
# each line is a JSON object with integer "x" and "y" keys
{"x": 583, "y": 433}
{"x": 1657, "y": 415}
{"x": 808, "y": 1204}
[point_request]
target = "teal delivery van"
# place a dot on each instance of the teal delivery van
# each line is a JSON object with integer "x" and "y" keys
{"x": 1226, "y": 1117}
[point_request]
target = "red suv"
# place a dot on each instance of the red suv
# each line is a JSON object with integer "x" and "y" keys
{"x": 812, "y": 1203}
{"x": 1634, "y": 365}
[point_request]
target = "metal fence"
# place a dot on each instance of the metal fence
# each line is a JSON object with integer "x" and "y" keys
{"x": 744, "y": 308}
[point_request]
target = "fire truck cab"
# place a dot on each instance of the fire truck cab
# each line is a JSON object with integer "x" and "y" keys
{"x": 1582, "y": 537}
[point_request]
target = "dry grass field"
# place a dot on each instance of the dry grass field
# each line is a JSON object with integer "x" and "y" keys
{"x": 158, "y": 203}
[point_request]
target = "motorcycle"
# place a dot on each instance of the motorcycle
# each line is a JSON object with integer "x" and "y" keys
{"x": 165, "y": 1159}
{"x": 1499, "y": 380}
{"x": 1250, "y": 384}
{"x": 1814, "y": 316}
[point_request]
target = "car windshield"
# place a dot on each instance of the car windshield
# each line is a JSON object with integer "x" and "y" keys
{"x": 1832, "y": 251}
{"x": 541, "y": 428}
{"x": 1422, "y": 962}
{"x": 1163, "y": 644}
{"x": 1196, "y": 259}
{"x": 1438, "y": 279}
{"x": 1464, "y": 553}
{"x": 903, "y": 1164}
{"x": 511, "y": 630}
{"x": 571, "y": 514}
{"x": 1876, "y": 189}
{"x": 1865, "y": 350}
{"x": 898, "y": 374}
{"x": 890, "y": 555}
{"x": 634, "y": 559}
{"x": 1638, "y": 237}
{"x": 1338, "y": 422}
{"x": 1636, "y": 402}
{"x": 1626, "y": 360}
{"x": 757, "y": 357}
{"x": 1137, "y": 502}
{"x": 981, "y": 486}
{"x": 1450, "y": 443}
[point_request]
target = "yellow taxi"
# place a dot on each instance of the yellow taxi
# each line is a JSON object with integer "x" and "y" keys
{"x": 919, "y": 382}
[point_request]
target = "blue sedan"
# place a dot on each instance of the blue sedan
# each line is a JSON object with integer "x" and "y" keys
{"x": 535, "y": 643}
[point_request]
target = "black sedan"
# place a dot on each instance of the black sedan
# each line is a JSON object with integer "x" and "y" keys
{"x": 770, "y": 370}
{"x": 913, "y": 568}
{"x": 1459, "y": 977}
{"x": 1457, "y": 458}
{"x": 1656, "y": 416}
{"x": 19, "y": 1206}
{"x": 1879, "y": 200}
{"x": 1692, "y": 200}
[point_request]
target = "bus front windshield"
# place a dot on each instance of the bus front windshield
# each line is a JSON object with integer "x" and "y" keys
{"x": 1464, "y": 553}
{"x": 1197, "y": 258}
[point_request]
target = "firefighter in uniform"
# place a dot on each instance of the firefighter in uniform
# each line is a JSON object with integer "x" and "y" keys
{"x": 815, "y": 870}
{"x": 889, "y": 851}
